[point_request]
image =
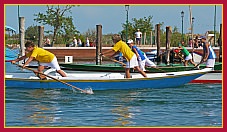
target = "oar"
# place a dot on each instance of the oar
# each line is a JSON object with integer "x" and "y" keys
{"x": 125, "y": 64}
{"x": 84, "y": 91}
{"x": 8, "y": 60}
{"x": 114, "y": 60}
{"x": 182, "y": 59}
{"x": 158, "y": 69}
{"x": 197, "y": 65}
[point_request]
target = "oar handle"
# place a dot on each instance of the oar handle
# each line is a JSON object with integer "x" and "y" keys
{"x": 114, "y": 60}
{"x": 125, "y": 64}
{"x": 182, "y": 59}
{"x": 84, "y": 91}
{"x": 8, "y": 60}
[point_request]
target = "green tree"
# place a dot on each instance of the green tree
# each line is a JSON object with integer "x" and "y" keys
{"x": 31, "y": 33}
{"x": 107, "y": 39}
{"x": 55, "y": 17}
{"x": 91, "y": 34}
{"x": 176, "y": 37}
{"x": 144, "y": 24}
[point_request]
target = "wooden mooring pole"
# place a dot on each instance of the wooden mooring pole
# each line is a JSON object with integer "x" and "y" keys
{"x": 98, "y": 44}
{"x": 41, "y": 34}
{"x": 220, "y": 44}
{"x": 168, "y": 37}
{"x": 158, "y": 42}
{"x": 21, "y": 35}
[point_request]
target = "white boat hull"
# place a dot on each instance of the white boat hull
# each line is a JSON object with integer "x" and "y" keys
{"x": 209, "y": 78}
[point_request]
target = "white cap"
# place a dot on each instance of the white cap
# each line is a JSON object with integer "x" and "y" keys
{"x": 130, "y": 41}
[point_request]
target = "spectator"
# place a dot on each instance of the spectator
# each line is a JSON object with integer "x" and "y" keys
{"x": 87, "y": 42}
{"x": 190, "y": 43}
{"x": 79, "y": 43}
{"x": 196, "y": 43}
{"x": 138, "y": 36}
{"x": 47, "y": 42}
{"x": 74, "y": 42}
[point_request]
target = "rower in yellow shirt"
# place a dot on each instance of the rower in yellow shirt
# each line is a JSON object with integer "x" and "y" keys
{"x": 44, "y": 57}
{"x": 130, "y": 56}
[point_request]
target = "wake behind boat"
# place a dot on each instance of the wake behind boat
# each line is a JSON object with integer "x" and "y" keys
{"x": 105, "y": 81}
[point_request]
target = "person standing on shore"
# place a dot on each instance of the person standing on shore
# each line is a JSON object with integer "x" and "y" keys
{"x": 138, "y": 36}
{"x": 44, "y": 57}
{"x": 79, "y": 42}
{"x": 130, "y": 56}
{"x": 74, "y": 42}
{"x": 47, "y": 42}
{"x": 87, "y": 42}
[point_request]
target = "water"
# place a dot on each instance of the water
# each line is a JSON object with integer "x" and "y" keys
{"x": 190, "y": 105}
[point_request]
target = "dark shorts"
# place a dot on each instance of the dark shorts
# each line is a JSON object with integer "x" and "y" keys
{"x": 138, "y": 39}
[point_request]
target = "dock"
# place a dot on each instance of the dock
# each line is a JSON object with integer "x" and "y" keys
{"x": 89, "y": 53}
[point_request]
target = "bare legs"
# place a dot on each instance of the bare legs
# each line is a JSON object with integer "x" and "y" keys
{"x": 186, "y": 62}
{"x": 62, "y": 73}
{"x": 41, "y": 68}
{"x": 127, "y": 72}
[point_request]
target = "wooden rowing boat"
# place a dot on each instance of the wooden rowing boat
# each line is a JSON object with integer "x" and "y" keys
{"x": 105, "y": 81}
{"x": 119, "y": 68}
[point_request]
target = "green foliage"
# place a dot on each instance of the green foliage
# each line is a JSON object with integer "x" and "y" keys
{"x": 11, "y": 39}
{"x": 144, "y": 24}
{"x": 106, "y": 38}
{"x": 91, "y": 34}
{"x": 55, "y": 16}
{"x": 32, "y": 33}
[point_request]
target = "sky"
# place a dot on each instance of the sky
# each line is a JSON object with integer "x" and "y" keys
{"x": 111, "y": 17}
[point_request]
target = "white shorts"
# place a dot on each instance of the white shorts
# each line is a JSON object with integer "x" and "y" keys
{"x": 133, "y": 62}
{"x": 189, "y": 57}
{"x": 149, "y": 62}
{"x": 142, "y": 64}
{"x": 146, "y": 62}
{"x": 53, "y": 64}
{"x": 210, "y": 62}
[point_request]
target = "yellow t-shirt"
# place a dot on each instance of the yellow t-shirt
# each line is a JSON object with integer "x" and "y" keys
{"x": 124, "y": 49}
{"x": 41, "y": 55}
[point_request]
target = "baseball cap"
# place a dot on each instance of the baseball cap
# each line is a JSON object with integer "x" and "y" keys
{"x": 202, "y": 37}
{"x": 130, "y": 41}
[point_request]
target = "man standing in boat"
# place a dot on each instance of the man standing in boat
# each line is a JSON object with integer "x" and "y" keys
{"x": 130, "y": 56}
{"x": 141, "y": 56}
{"x": 186, "y": 53}
{"x": 44, "y": 57}
{"x": 208, "y": 53}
